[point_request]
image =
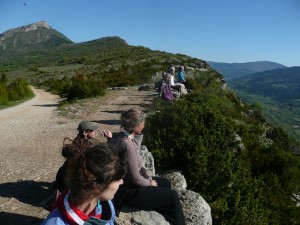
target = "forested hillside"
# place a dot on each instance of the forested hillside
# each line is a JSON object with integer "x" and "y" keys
{"x": 278, "y": 91}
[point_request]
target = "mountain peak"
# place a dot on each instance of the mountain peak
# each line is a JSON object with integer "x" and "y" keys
{"x": 34, "y": 26}
{"x": 25, "y": 28}
{"x": 31, "y": 37}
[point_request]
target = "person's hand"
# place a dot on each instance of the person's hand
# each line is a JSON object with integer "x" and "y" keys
{"x": 107, "y": 134}
{"x": 153, "y": 183}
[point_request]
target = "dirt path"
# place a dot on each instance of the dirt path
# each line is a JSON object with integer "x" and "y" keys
{"x": 31, "y": 136}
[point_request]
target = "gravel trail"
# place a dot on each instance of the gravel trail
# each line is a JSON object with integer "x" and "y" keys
{"x": 31, "y": 136}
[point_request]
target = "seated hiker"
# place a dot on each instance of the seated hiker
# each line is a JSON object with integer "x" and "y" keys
{"x": 166, "y": 91}
{"x": 176, "y": 86}
{"x": 140, "y": 190}
{"x": 182, "y": 79}
{"x": 93, "y": 176}
{"x": 87, "y": 132}
{"x": 85, "y": 138}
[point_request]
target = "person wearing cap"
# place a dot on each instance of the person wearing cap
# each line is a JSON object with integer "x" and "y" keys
{"x": 87, "y": 130}
{"x": 140, "y": 190}
{"x": 85, "y": 138}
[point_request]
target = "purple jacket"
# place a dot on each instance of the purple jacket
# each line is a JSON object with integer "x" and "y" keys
{"x": 165, "y": 92}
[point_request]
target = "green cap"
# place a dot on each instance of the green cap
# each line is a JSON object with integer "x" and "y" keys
{"x": 87, "y": 125}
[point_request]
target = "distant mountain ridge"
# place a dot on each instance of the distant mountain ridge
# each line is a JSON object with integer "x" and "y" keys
{"x": 39, "y": 44}
{"x": 281, "y": 84}
{"x": 278, "y": 91}
{"x": 31, "y": 37}
{"x": 236, "y": 70}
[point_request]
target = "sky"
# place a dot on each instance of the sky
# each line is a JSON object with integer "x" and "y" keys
{"x": 230, "y": 31}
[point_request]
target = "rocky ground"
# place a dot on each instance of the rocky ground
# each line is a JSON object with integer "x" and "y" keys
{"x": 31, "y": 136}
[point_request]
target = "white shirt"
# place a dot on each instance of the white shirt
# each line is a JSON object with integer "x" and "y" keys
{"x": 172, "y": 81}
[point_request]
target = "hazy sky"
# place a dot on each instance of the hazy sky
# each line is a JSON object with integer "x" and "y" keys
{"x": 213, "y": 30}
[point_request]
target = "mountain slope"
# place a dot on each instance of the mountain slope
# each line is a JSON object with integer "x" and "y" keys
{"x": 278, "y": 92}
{"x": 280, "y": 84}
{"x": 235, "y": 70}
{"x": 31, "y": 37}
{"x": 61, "y": 54}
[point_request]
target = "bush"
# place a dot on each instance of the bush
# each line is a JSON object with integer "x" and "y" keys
{"x": 199, "y": 137}
{"x": 18, "y": 90}
{"x": 3, "y": 94}
{"x": 83, "y": 86}
{"x": 196, "y": 135}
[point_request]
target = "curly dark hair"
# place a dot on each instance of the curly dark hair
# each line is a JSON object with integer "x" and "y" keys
{"x": 95, "y": 168}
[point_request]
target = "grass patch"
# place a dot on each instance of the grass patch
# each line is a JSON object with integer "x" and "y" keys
{"x": 63, "y": 68}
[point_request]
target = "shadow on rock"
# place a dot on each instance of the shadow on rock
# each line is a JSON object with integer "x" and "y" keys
{"x": 31, "y": 192}
{"x": 13, "y": 219}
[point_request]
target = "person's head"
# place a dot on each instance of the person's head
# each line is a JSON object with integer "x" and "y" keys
{"x": 96, "y": 173}
{"x": 172, "y": 70}
{"x": 181, "y": 68}
{"x": 70, "y": 148}
{"x": 133, "y": 121}
{"x": 87, "y": 129}
{"x": 168, "y": 77}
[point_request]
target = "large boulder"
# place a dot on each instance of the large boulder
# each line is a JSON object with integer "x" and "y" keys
{"x": 148, "y": 160}
{"x": 140, "y": 218}
{"x": 195, "y": 209}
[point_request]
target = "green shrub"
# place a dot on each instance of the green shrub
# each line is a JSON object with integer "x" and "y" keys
{"x": 83, "y": 86}
{"x": 18, "y": 90}
{"x": 3, "y": 94}
{"x": 196, "y": 135}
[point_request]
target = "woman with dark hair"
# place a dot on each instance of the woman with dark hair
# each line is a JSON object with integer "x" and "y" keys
{"x": 140, "y": 190}
{"x": 84, "y": 139}
{"x": 94, "y": 176}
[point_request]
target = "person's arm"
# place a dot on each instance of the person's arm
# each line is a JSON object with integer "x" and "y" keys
{"x": 133, "y": 170}
{"x": 138, "y": 138}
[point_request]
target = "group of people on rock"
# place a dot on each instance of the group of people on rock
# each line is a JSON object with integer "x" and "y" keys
{"x": 168, "y": 89}
{"x": 98, "y": 179}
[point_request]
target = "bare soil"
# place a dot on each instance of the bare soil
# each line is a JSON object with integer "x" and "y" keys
{"x": 31, "y": 137}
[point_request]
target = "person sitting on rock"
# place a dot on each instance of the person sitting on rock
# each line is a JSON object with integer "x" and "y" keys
{"x": 94, "y": 176}
{"x": 176, "y": 86}
{"x": 85, "y": 138}
{"x": 87, "y": 132}
{"x": 182, "y": 79}
{"x": 166, "y": 91}
{"x": 140, "y": 190}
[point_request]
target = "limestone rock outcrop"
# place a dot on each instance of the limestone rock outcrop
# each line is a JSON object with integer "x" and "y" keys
{"x": 195, "y": 208}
